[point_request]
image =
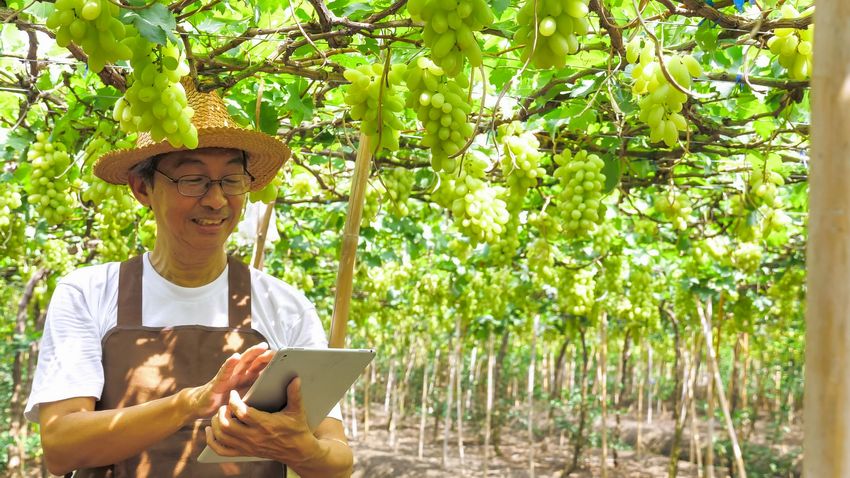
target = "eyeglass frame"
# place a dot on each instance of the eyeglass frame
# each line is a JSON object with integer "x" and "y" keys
{"x": 209, "y": 183}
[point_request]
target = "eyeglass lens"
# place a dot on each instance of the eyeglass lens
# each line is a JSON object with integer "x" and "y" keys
{"x": 232, "y": 185}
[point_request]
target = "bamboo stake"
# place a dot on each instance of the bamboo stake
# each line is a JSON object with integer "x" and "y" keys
{"x": 530, "y": 395}
{"x": 263, "y": 226}
{"x": 826, "y": 418}
{"x": 350, "y": 237}
{"x": 489, "y": 407}
{"x": 423, "y": 409}
{"x": 603, "y": 383}
{"x": 262, "y": 233}
{"x": 718, "y": 381}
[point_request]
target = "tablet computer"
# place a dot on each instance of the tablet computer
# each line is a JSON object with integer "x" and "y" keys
{"x": 326, "y": 374}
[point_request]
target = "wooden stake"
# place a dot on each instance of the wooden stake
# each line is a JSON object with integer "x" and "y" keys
{"x": 262, "y": 232}
{"x": 350, "y": 237}
{"x": 603, "y": 392}
{"x": 721, "y": 395}
{"x": 826, "y": 419}
{"x": 491, "y": 362}
{"x": 263, "y": 226}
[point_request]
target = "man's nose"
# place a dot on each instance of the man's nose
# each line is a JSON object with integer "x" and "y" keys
{"x": 214, "y": 197}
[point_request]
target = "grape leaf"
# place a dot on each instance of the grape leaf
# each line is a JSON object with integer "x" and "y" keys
{"x": 612, "y": 171}
{"x": 155, "y": 23}
{"x": 299, "y": 108}
{"x": 499, "y": 6}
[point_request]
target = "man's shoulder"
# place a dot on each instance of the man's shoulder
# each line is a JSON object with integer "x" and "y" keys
{"x": 91, "y": 274}
{"x": 273, "y": 287}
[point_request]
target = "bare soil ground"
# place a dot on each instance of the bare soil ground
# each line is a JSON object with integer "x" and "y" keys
{"x": 376, "y": 458}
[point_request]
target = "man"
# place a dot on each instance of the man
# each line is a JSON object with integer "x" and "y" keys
{"x": 142, "y": 363}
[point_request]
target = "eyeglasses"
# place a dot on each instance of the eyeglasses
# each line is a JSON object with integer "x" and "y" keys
{"x": 196, "y": 185}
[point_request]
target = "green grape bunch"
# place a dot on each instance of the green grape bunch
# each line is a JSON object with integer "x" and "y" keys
{"x": 793, "y": 46}
{"x": 541, "y": 254}
{"x": 370, "y": 96}
{"x": 504, "y": 251}
{"x": 541, "y": 258}
{"x": 747, "y": 257}
{"x": 763, "y": 188}
{"x": 546, "y": 225}
{"x": 371, "y": 203}
{"x": 661, "y": 103}
{"x": 641, "y": 305}
{"x": 268, "y": 194}
{"x": 12, "y": 227}
{"x": 10, "y": 200}
{"x": 156, "y": 102}
{"x": 115, "y": 215}
{"x": 577, "y": 291}
{"x": 551, "y": 33}
{"x": 105, "y": 139}
{"x": 475, "y": 205}
{"x": 675, "y": 207}
{"x": 520, "y": 162}
{"x": 580, "y": 203}
{"x": 441, "y": 104}
{"x": 398, "y": 184}
{"x": 449, "y": 31}
{"x": 94, "y": 25}
{"x": 50, "y": 185}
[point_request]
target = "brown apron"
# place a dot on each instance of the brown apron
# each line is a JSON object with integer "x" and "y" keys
{"x": 141, "y": 364}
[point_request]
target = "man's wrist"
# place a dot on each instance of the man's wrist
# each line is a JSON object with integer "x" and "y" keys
{"x": 185, "y": 406}
{"x": 333, "y": 459}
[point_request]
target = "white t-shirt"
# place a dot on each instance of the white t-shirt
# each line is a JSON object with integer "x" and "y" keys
{"x": 84, "y": 307}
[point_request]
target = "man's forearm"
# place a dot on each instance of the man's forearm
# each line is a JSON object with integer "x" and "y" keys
{"x": 77, "y": 440}
{"x": 335, "y": 460}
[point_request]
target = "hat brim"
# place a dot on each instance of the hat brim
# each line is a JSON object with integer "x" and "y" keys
{"x": 265, "y": 153}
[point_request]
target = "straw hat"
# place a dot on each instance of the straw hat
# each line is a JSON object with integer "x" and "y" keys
{"x": 216, "y": 129}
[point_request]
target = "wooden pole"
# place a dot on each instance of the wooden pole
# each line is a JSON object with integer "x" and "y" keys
{"x": 263, "y": 225}
{"x": 262, "y": 232}
{"x": 826, "y": 419}
{"x": 350, "y": 237}
{"x": 705, "y": 315}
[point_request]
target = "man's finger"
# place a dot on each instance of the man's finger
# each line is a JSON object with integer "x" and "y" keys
{"x": 217, "y": 446}
{"x": 247, "y": 357}
{"x": 293, "y": 396}
{"x": 238, "y": 408}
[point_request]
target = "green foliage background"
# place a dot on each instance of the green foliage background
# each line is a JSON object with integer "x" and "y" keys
{"x": 420, "y": 281}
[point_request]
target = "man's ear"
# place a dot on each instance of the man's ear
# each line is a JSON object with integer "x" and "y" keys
{"x": 140, "y": 189}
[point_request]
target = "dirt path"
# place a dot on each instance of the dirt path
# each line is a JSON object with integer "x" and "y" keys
{"x": 375, "y": 458}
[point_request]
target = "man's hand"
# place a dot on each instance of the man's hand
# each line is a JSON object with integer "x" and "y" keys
{"x": 238, "y": 429}
{"x": 237, "y": 372}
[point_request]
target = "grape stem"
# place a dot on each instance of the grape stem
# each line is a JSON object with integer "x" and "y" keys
{"x": 478, "y": 119}
{"x": 384, "y": 81}
{"x": 660, "y": 55}
{"x": 133, "y": 7}
{"x": 508, "y": 83}
{"x": 306, "y": 37}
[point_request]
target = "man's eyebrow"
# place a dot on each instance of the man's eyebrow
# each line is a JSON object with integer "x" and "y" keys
{"x": 192, "y": 161}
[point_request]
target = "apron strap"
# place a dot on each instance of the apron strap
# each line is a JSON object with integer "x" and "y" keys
{"x": 130, "y": 293}
{"x": 238, "y": 297}
{"x": 239, "y": 294}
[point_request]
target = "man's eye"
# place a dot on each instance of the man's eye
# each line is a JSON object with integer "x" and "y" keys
{"x": 193, "y": 180}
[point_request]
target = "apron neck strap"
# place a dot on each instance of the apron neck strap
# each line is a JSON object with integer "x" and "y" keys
{"x": 239, "y": 293}
{"x": 130, "y": 293}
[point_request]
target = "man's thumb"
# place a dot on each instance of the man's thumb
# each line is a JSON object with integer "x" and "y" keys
{"x": 293, "y": 394}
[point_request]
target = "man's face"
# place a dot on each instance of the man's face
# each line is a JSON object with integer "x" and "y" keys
{"x": 192, "y": 225}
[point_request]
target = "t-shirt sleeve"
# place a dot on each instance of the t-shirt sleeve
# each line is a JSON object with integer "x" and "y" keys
{"x": 308, "y": 331}
{"x": 69, "y": 360}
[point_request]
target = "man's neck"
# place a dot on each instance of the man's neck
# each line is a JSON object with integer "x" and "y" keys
{"x": 192, "y": 271}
